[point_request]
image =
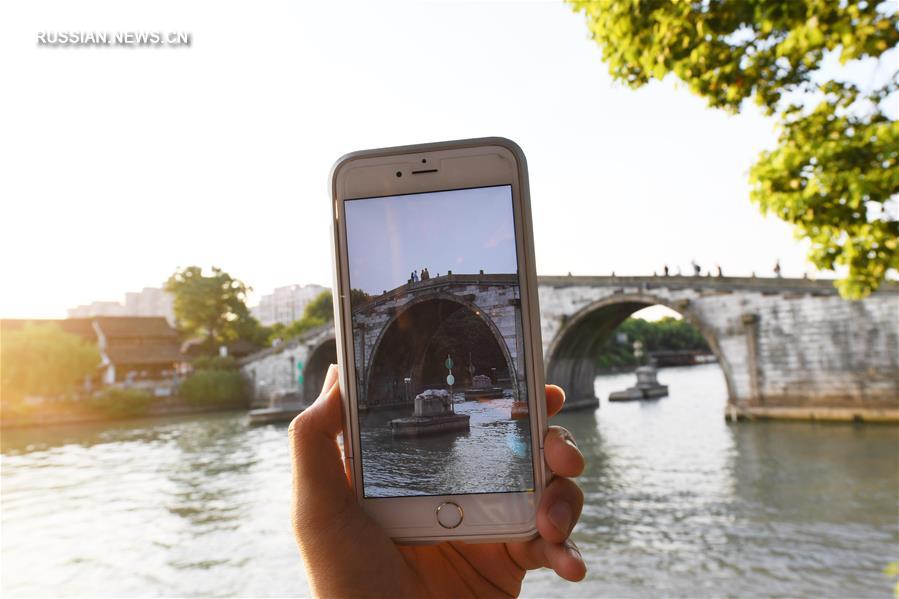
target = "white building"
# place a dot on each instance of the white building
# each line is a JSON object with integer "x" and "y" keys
{"x": 286, "y": 304}
{"x": 150, "y": 301}
{"x": 97, "y": 309}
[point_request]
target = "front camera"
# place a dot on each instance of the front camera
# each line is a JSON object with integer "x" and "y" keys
{"x": 399, "y": 173}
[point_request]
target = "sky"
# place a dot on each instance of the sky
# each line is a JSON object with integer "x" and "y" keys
{"x": 464, "y": 231}
{"x": 118, "y": 165}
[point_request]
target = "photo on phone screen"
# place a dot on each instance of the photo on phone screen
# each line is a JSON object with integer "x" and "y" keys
{"x": 437, "y": 338}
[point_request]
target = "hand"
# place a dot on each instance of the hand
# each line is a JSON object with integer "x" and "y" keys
{"x": 347, "y": 554}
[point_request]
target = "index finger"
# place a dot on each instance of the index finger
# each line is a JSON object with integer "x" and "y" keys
{"x": 555, "y": 399}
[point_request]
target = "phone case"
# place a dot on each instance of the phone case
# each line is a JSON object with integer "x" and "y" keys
{"x": 534, "y": 342}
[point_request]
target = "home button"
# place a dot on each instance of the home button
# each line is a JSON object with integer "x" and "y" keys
{"x": 449, "y": 515}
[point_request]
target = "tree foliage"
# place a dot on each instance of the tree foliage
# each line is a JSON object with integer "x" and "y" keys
{"x": 834, "y": 169}
{"x": 42, "y": 359}
{"x": 213, "y": 307}
{"x": 666, "y": 334}
{"x": 320, "y": 309}
{"x": 358, "y": 298}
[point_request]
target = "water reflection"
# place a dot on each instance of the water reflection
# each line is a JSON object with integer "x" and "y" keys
{"x": 678, "y": 503}
{"x": 172, "y": 507}
{"x": 494, "y": 455}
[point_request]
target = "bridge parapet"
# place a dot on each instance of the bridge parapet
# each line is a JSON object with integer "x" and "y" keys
{"x": 436, "y": 284}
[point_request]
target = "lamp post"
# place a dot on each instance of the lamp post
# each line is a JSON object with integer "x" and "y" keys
{"x": 450, "y": 380}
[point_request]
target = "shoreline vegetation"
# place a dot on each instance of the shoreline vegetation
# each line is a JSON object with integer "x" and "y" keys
{"x": 667, "y": 334}
{"x": 69, "y": 414}
{"x": 215, "y": 385}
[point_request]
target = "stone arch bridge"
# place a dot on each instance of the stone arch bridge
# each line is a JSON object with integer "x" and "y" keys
{"x": 786, "y": 347}
{"x": 392, "y": 333}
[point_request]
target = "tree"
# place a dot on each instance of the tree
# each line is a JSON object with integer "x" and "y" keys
{"x": 321, "y": 308}
{"x": 666, "y": 334}
{"x": 213, "y": 307}
{"x": 317, "y": 312}
{"x": 835, "y": 167}
{"x": 250, "y": 329}
{"x": 358, "y": 298}
{"x": 42, "y": 359}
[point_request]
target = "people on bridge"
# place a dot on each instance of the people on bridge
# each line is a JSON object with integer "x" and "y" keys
{"x": 346, "y": 554}
{"x": 718, "y": 271}
{"x": 696, "y": 269}
{"x": 665, "y": 270}
{"x": 425, "y": 275}
{"x": 777, "y": 268}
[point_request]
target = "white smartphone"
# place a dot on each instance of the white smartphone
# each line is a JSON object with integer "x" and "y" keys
{"x": 438, "y": 339}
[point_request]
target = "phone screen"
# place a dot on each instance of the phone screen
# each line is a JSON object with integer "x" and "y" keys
{"x": 437, "y": 338}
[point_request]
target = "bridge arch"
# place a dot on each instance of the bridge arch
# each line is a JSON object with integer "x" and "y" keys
{"x": 320, "y": 357}
{"x": 570, "y": 356}
{"x": 402, "y": 320}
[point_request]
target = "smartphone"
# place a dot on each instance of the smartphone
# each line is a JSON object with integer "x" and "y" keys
{"x": 438, "y": 339}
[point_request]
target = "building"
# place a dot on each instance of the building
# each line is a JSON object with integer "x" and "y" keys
{"x": 132, "y": 348}
{"x": 150, "y": 301}
{"x": 97, "y": 309}
{"x": 286, "y": 304}
{"x": 137, "y": 348}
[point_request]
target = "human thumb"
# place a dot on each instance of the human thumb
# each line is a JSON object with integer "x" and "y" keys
{"x": 321, "y": 490}
{"x": 339, "y": 543}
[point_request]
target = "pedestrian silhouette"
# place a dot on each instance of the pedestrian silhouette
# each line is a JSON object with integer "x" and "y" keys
{"x": 777, "y": 268}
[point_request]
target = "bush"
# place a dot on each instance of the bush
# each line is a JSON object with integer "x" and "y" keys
{"x": 215, "y": 363}
{"x": 117, "y": 402}
{"x": 211, "y": 387}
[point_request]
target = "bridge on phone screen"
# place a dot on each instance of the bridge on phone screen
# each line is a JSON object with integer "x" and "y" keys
{"x": 786, "y": 347}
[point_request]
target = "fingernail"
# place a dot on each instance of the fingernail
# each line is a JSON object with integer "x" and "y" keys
{"x": 325, "y": 382}
{"x": 567, "y": 438}
{"x": 574, "y": 552}
{"x": 560, "y": 516}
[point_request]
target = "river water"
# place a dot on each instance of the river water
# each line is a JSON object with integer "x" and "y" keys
{"x": 678, "y": 503}
{"x": 492, "y": 456}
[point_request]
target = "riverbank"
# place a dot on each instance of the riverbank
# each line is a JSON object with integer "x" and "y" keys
{"x": 624, "y": 369}
{"x": 866, "y": 415}
{"x": 73, "y": 414}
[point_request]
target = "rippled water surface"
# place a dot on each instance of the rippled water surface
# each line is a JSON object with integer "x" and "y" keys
{"x": 493, "y": 456}
{"x": 678, "y": 503}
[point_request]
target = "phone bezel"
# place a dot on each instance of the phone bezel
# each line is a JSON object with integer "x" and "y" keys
{"x": 459, "y": 164}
